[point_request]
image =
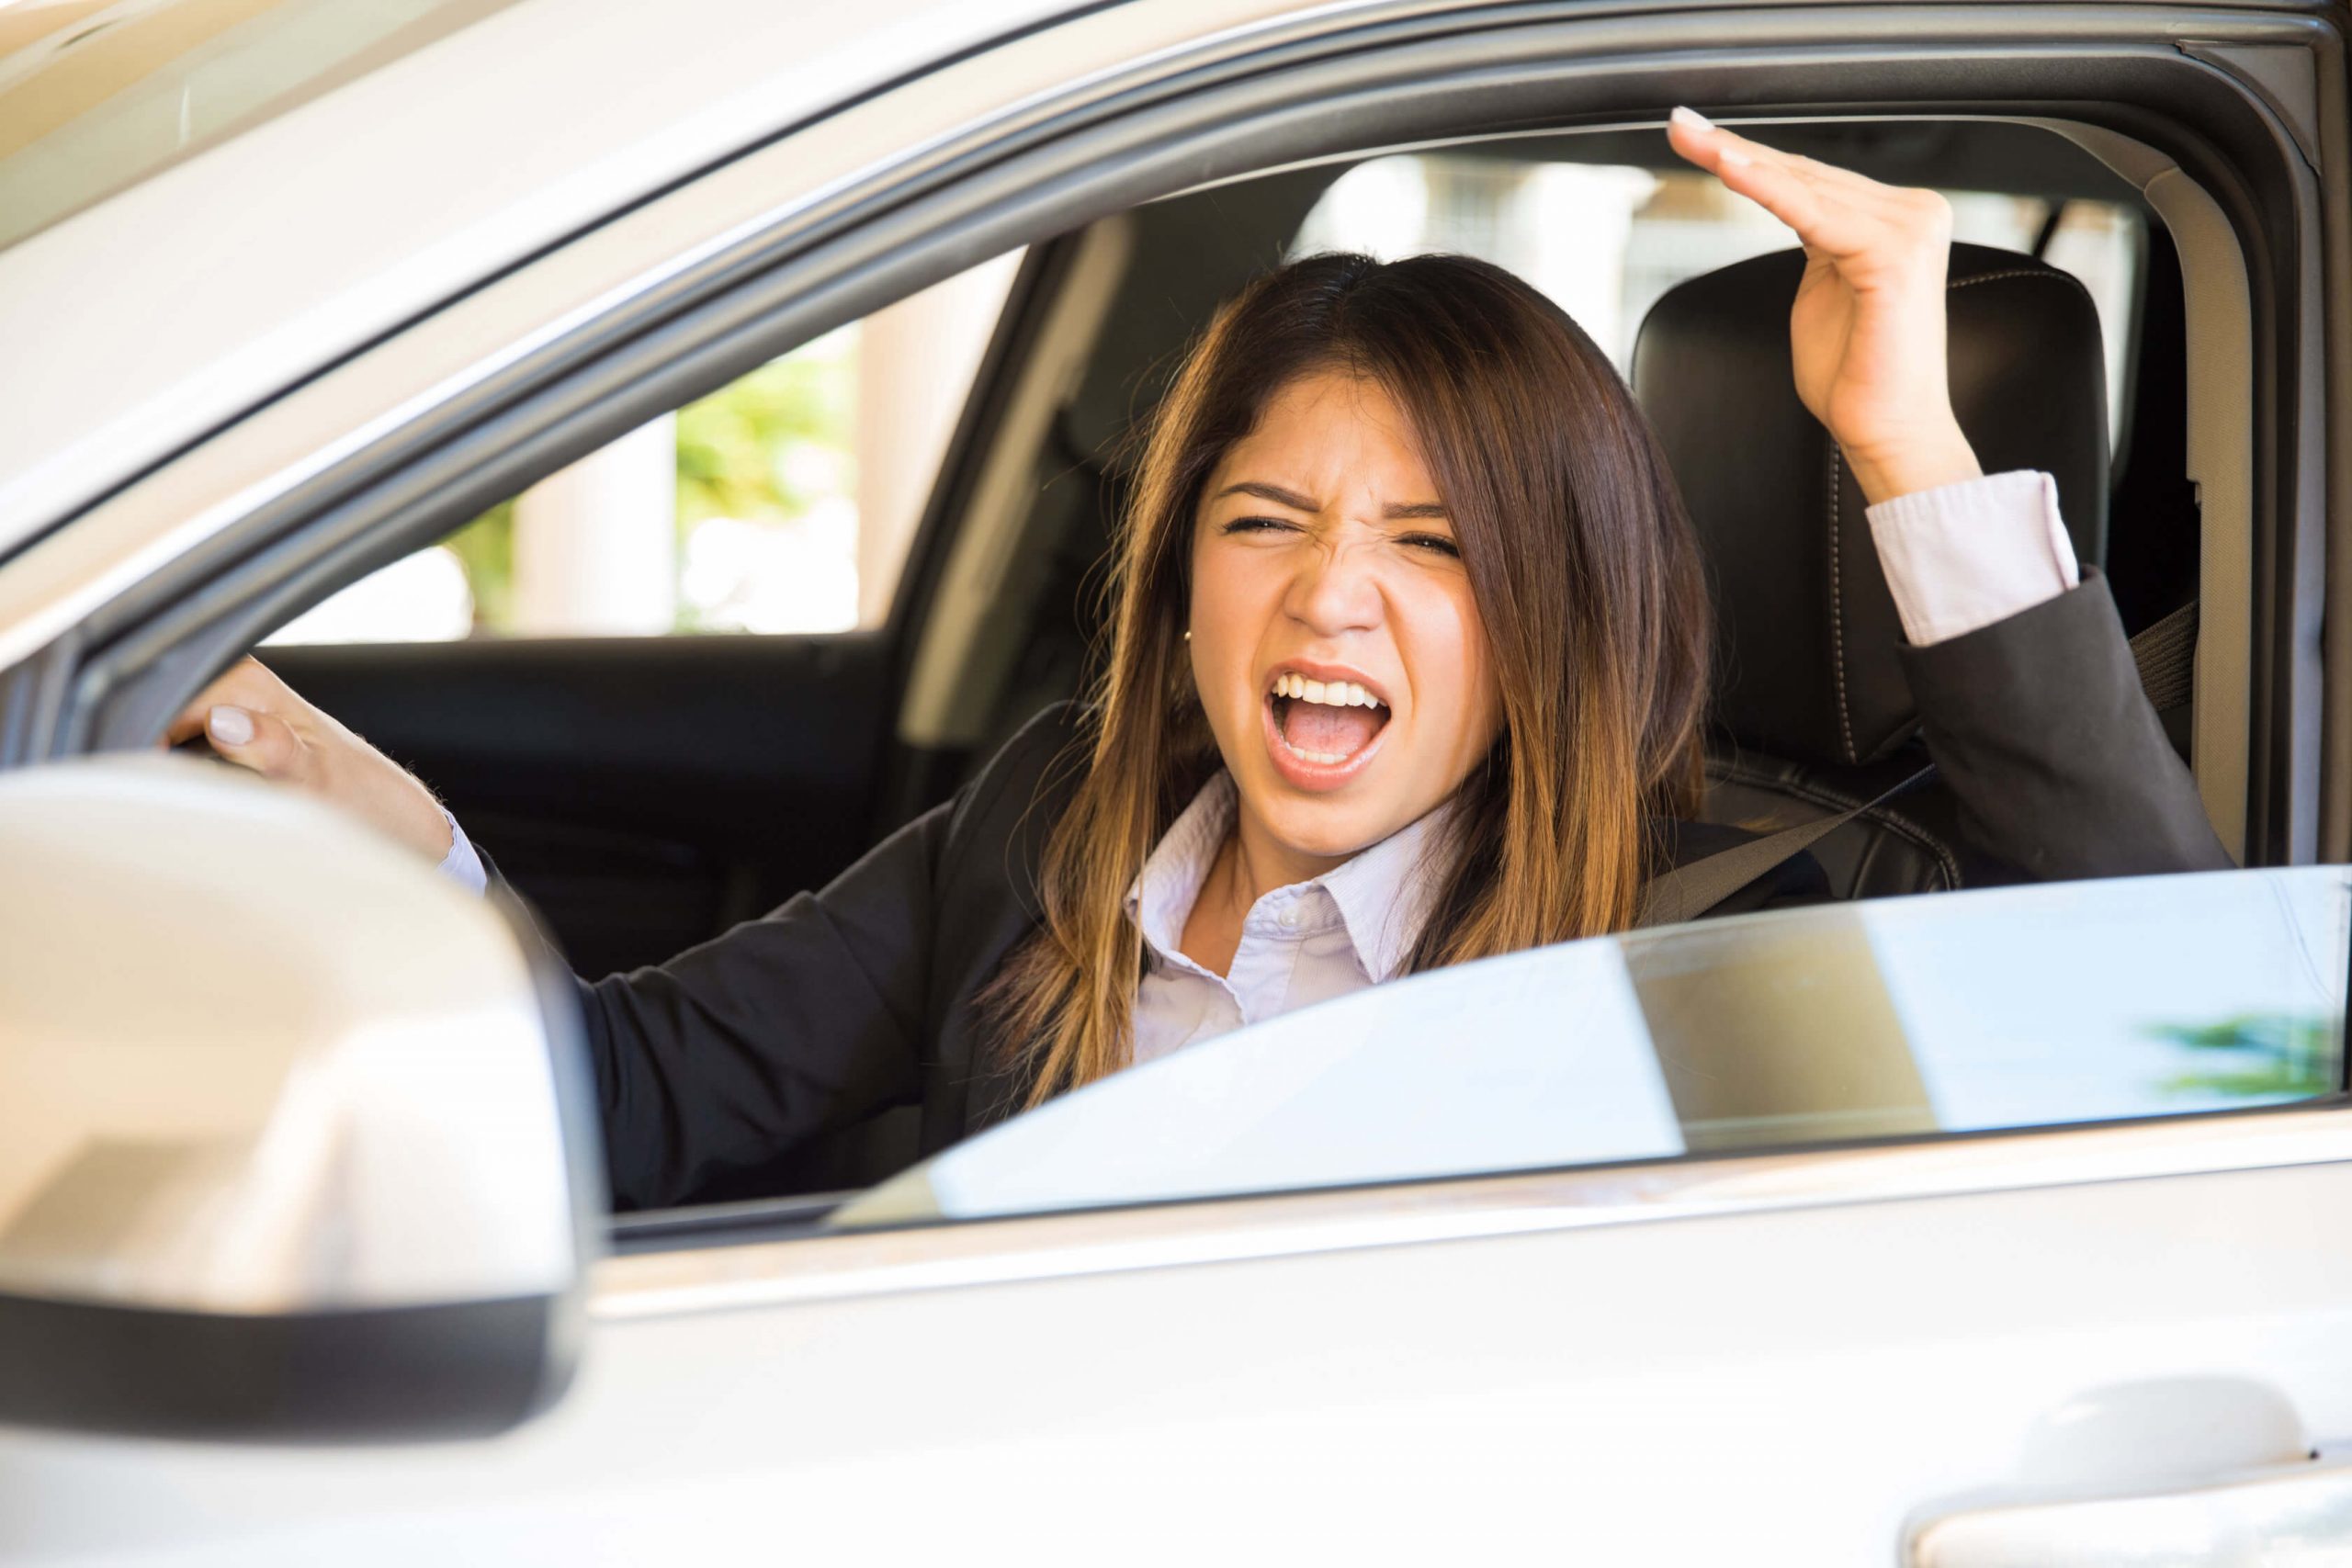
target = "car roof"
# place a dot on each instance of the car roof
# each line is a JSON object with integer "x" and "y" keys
{"x": 152, "y": 316}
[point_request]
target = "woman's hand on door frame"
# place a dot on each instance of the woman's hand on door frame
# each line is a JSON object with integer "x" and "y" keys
{"x": 253, "y": 720}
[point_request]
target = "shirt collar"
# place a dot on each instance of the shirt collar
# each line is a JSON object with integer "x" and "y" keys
{"x": 1384, "y": 894}
{"x": 1162, "y": 899}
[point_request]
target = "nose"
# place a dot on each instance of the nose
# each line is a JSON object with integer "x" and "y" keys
{"x": 1337, "y": 590}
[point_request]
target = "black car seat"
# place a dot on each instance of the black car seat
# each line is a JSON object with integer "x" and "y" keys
{"x": 1811, "y": 714}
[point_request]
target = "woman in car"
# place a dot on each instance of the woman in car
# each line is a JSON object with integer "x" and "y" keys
{"x": 1408, "y": 668}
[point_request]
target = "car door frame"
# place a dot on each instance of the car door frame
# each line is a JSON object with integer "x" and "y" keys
{"x": 110, "y": 676}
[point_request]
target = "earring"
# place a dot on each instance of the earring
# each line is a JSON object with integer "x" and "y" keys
{"x": 1188, "y": 634}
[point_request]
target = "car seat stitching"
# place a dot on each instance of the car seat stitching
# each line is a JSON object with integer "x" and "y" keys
{"x": 2051, "y": 273}
{"x": 1815, "y": 793}
{"x": 1837, "y": 490}
{"x": 1837, "y": 607}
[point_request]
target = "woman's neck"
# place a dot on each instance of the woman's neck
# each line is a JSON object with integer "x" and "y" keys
{"x": 1255, "y": 862}
{"x": 1250, "y": 865}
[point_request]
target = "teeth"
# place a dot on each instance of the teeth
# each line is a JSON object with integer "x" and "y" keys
{"x": 1331, "y": 694}
{"x": 1324, "y": 757}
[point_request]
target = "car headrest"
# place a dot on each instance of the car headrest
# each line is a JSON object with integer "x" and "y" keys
{"x": 1808, "y": 628}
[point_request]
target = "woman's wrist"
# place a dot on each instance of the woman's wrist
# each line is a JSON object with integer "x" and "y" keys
{"x": 1911, "y": 468}
{"x": 1905, "y": 468}
{"x": 397, "y": 802}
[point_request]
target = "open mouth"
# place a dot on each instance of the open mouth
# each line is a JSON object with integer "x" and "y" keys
{"x": 1325, "y": 724}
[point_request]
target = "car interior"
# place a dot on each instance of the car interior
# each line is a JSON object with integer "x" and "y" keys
{"x": 647, "y": 794}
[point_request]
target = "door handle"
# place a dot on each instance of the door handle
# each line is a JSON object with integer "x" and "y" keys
{"x": 2288, "y": 1515}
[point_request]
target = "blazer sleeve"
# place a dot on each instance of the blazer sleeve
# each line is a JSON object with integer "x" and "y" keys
{"x": 2039, "y": 725}
{"x": 791, "y": 1025}
{"x": 785, "y": 1027}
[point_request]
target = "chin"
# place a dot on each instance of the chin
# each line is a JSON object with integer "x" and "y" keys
{"x": 1325, "y": 828}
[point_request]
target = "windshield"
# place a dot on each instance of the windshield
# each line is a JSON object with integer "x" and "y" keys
{"x": 95, "y": 96}
{"x": 1960, "y": 1012}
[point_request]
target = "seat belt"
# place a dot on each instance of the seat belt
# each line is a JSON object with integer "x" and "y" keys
{"x": 1689, "y": 891}
{"x": 2166, "y": 655}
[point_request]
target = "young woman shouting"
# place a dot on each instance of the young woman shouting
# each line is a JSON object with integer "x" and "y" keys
{"x": 1408, "y": 668}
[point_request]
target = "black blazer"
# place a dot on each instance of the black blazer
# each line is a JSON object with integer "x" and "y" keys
{"x": 844, "y": 1002}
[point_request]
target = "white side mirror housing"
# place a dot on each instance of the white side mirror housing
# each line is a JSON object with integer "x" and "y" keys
{"x": 296, "y": 1135}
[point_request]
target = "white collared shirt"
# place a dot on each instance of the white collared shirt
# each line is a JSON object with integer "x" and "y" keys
{"x": 1354, "y": 926}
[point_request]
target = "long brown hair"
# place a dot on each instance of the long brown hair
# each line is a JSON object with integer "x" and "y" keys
{"x": 1587, "y": 585}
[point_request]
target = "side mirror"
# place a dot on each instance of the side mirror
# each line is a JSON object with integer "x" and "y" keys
{"x": 296, "y": 1138}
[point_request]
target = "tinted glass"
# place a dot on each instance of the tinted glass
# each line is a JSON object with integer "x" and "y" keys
{"x": 1955, "y": 1013}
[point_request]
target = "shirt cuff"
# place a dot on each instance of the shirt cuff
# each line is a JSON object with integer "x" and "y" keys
{"x": 461, "y": 863}
{"x": 1962, "y": 555}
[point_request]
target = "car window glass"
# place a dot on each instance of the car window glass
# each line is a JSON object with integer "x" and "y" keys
{"x": 1605, "y": 241}
{"x": 1964, "y": 1012}
{"x": 784, "y": 501}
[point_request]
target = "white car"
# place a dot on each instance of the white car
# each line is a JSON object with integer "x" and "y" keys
{"x": 1958, "y": 1222}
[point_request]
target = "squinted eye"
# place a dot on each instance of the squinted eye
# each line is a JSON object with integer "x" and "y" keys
{"x": 1436, "y": 543}
{"x": 1255, "y": 526}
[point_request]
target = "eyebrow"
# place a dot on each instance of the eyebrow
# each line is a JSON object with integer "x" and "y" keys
{"x": 1395, "y": 511}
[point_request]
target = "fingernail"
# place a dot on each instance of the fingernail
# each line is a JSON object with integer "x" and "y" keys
{"x": 229, "y": 727}
{"x": 1733, "y": 158}
{"x": 1691, "y": 117}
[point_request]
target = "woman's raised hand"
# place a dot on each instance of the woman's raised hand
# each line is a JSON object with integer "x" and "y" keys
{"x": 1867, "y": 330}
{"x": 253, "y": 720}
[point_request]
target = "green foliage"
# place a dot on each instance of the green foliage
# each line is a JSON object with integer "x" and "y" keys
{"x": 735, "y": 451}
{"x": 2275, "y": 1055}
{"x": 486, "y": 548}
{"x": 734, "y": 446}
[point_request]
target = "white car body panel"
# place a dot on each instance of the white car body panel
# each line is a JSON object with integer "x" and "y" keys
{"x": 1768, "y": 1389}
{"x": 136, "y": 358}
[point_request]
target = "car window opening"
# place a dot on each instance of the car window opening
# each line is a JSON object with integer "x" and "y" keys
{"x": 2072, "y": 254}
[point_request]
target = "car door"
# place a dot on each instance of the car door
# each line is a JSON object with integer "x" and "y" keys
{"x": 1784, "y": 1368}
{"x": 2049, "y": 1280}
